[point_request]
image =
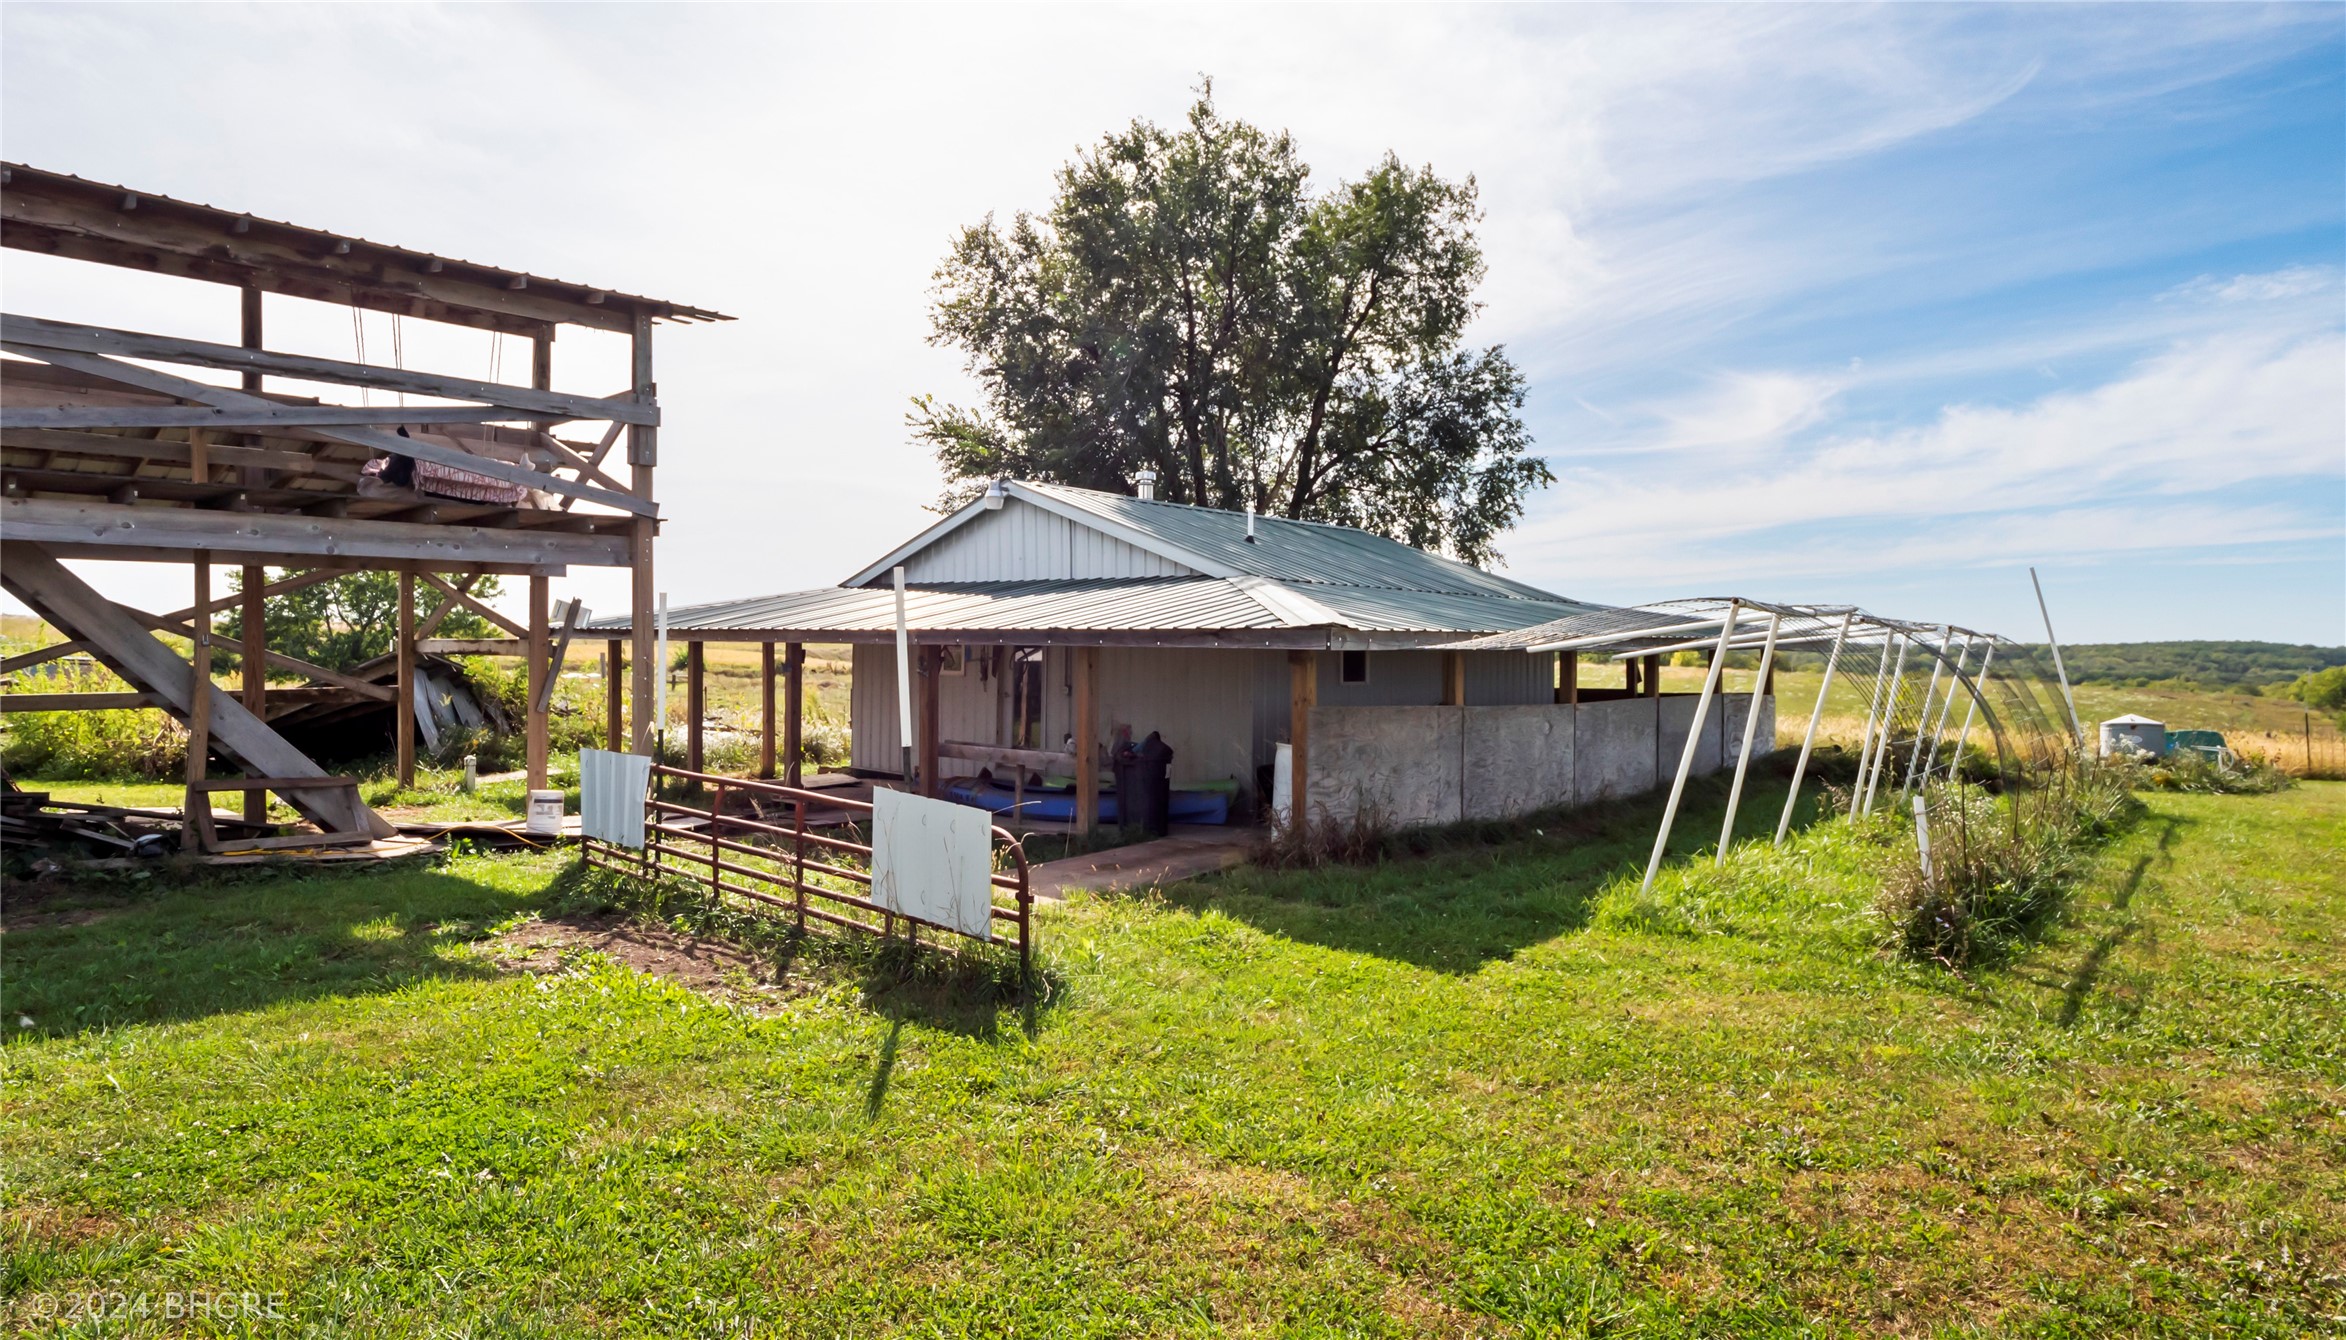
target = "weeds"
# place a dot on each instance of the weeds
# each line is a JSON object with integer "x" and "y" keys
{"x": 2204, "y": 774}
{"x": 2000, "y": 868}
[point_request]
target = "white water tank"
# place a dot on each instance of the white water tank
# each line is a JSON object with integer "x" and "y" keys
{"x": 2131, "y": 734}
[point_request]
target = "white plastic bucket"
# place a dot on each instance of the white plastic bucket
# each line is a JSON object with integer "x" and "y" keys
{"x": 545, "y": 814}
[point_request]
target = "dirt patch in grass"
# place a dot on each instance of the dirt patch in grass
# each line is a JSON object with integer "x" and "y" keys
{"x": 17, "y": 920}
{"x": 711, "y": 968}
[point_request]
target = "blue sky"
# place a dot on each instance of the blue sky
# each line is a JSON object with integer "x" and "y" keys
{"x": 1833, "y": 303}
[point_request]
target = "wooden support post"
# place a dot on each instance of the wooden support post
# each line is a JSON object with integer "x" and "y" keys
{"x": 1568, "y": 677}
{"x": 541, "y": 665}
{"x": 1653, "y": 676}
{"x": 1303, "y": 671}
{"x": 256, "y": 664}
{"x": 403, "y": 715}
{"x": 1085, "y": 729}
{"x": 642, "y": 685}
{"x": 614, "y": 723}
{"x": 766, "y": 710}
{"x": 643, "y": 453}
{"x": 249, "y": 332}
{"x": 249, "y": 328}
{"x": 1454, "y": 679}
{"x": 199, "y": 456}
{"x": 932, "y": 666}
{"x": 793, "y": 721}
{"x": 695, "y": 704}
{"x": 199, "y": 704}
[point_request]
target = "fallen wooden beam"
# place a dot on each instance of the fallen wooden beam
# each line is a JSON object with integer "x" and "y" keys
{"x": 73, "y": 702}
{"x": 1037, "y": 760}
{"x": 123, "y": 643}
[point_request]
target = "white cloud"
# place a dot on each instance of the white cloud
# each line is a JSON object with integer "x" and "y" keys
{"x": 803, "y": 168}
{"x": 2205, "y": 444}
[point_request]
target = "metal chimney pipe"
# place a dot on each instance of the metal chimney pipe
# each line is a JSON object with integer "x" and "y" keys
{"x": 1144, "y": 486}
{"x": 1250, "y": 521}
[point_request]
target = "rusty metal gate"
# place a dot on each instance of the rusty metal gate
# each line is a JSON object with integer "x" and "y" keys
{"x": 775, "y": 858}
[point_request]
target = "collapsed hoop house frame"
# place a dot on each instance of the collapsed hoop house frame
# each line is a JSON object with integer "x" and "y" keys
{"x": 2002, "y": 683}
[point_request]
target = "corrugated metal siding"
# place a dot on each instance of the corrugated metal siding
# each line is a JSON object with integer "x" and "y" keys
{"x": 611, "y": 788}
{"x": 1510, "y": 679}
{"x": 1396, "y": 679}
{"x": 1199, "y": 700}
{"x": 1022, "y": 542}
{"x": 873, "y": 740}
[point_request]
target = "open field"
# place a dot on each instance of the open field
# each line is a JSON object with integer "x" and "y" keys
{"x": 1487, "y": 1091}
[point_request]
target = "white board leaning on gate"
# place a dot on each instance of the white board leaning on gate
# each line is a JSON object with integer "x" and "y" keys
{"x": 611, "y": 791}
{"x": 933, "y": 861}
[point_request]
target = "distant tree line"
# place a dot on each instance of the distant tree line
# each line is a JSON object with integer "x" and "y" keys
{"x": 2243, "y": 666}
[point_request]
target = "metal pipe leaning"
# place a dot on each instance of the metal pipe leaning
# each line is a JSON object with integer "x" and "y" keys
{"x": 1808, "y": 741}
{"x": 1873, "y": 780}
{"x": 1865, "y": 739}
{"x": 1759, "y": 687}
{"x": 1930, "y": 761}
{"x": 1702, "y": 709}
{"x": 1922, "y": 717}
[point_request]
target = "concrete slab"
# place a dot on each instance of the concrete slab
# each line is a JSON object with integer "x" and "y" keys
{"x": 1763, "y": 741}
{"x": 1405, "y": 762}
{"x": 1613, "y": 749}
{"x": 1518, "y": 759}
{"x": 1677, "y": 718}
{"x": 1191, "y": 850}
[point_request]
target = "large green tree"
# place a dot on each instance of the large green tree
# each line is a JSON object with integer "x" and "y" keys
{"x": 1189, "y": 305}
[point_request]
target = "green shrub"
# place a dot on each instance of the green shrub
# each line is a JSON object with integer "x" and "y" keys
{"x": 137, "y": 745}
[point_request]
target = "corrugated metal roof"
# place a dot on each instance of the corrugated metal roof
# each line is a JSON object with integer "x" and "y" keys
{"x": 1185, "y": 603}
{"x": 1304, "y": 552}
{"x": 1174, "y": 604}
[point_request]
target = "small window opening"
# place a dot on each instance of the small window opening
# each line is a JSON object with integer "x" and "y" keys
{"x": 1355, "y": 667}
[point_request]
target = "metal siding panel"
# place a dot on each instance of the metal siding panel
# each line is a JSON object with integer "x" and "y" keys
{"x": 611, "y": 796}
{"x": 873, "y": 739}
{"x": 1396, "y": 679}
{"x": 1200, "y": 700}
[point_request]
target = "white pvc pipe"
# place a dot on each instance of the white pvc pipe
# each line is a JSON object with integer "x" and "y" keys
{"x": 1889, "y": 724}
{"x": 1865, "y": 741}
{"x": 1751, "y": 718}
{"x": 1922, "y": 718}
{"x": 1930, "y": 761}
{"x": 1980, "y": 688}
{"x": 1808, "y": 741}
{"x": 2076, "y": 729}
{"x": 903, "y": 683}
{"x": 1702, "y": 711}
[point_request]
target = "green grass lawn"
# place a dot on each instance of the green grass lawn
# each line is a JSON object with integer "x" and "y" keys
{"x": 1485, "y": 1091}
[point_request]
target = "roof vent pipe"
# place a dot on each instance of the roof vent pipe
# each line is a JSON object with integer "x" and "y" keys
{"x": 1144, "y": 486}
{"x": 1250, "y": 521}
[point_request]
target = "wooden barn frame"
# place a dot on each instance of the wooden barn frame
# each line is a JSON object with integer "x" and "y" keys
{"x": 103, "y": 455}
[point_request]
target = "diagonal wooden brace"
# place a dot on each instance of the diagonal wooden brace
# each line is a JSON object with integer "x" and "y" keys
{"x": 120, "y": 639}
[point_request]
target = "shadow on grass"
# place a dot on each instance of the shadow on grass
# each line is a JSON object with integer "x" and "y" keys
{"x": 940, "y": 981}
{"x": 185, "y": 946}
{"x": 1453, "y": 899}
